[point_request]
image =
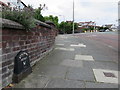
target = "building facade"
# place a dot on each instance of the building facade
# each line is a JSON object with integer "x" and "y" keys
{"x": 12, "y": 5}
{"x": 82, "y": 26}
{"x": 87, "y": 24}
{"x": 3, "y": 6}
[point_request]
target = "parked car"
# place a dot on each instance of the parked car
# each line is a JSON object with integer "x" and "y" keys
{"x": 102, "y": 30}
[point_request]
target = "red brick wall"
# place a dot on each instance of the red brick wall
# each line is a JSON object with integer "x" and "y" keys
{"x": 37, "y": 42}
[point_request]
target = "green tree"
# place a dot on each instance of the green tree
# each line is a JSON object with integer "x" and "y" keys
{"x": 100, "y": 28}
{"x": 62, "y": 26}
{"x": 67, "y": 27}
{"x": 37, "y": 13}
{"x": 53, "y": 19}
{"x": 106, "y": 28}
{"x": 85, "y": 29}
{"x": 91, "y": 28}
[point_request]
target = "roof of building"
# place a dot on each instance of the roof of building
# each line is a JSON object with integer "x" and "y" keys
{"x": 109, "y": 25}
{"x": 2, "y": 3}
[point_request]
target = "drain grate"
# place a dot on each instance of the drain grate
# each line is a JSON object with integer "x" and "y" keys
{"x": 107, "y": 74}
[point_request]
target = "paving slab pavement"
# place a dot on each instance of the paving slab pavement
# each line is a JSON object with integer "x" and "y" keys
{"x": 60, "y": 69}
{"x": 64, "y": 83}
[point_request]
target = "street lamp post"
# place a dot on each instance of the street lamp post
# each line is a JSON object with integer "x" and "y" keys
{"x": 119, "y": 16}
{"x": 73, "y": 17}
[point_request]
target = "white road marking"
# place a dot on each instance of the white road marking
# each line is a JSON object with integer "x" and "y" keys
{"x": 91, "y": 36}
{"x": 64, "y": 37}
{"x": 66, "y": 41}
{"x": 110, "y": 46}
{"x": 79, "y": 45}
{"x": 84, "y": 57}
{"x": 94, "y": 35}
{"x": 100, "y": 77}
{"x": 65, "y": 49}
{"x": 60, "y": 44}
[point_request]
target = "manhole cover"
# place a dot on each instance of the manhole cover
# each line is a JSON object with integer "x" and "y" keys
{"x": 107, "y": 74}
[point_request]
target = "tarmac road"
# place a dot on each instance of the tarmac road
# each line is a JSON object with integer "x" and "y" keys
{"x": 108, "y": 41}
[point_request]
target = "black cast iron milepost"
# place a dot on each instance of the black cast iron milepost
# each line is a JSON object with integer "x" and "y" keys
{"x": 22, "y": 66}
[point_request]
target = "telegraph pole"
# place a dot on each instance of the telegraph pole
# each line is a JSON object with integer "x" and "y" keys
{"x": 73, "y": 17}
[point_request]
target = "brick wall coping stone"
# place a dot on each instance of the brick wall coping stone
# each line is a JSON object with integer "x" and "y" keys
{"x": 42, "y": 24}
{"x": 49, "y": 22}
{"x": 12, "y": 24}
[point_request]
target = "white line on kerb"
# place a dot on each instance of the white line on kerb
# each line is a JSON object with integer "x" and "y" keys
{"x": 110, "y": 46}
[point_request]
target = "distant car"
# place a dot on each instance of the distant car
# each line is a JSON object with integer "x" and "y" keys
{"x": 102, "y": 30}
{"x": 107, "y": 30}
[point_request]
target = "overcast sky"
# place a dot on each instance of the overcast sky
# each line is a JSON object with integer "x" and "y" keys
{"x": 100, "y": 11}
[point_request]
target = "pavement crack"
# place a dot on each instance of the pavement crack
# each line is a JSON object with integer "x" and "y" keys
{"x": 46, "y": 84}
{"x": 66, "y": 72}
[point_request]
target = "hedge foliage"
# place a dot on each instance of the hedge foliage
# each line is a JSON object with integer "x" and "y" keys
{"x": 22, "y": 17}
